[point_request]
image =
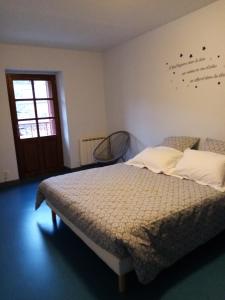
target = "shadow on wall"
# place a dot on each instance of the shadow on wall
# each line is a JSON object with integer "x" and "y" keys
{"x": 136, "y": 146}
{"x": 63, "y": 119}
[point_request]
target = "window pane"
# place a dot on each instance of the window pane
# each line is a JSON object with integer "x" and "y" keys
{"x": 47, "y": 127}
{"x": 45, "y": 108}
{"x": 27, "y": 129}
{"x": 22, "y": 89}
{"x": 25, "y": 109}
{"x": 42, "y": 89}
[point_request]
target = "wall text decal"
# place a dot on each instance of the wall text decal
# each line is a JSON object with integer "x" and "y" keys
{"x": 191, "y": 70}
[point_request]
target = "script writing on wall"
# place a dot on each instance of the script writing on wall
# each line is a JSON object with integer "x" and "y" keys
{"x": 193, "y": 70}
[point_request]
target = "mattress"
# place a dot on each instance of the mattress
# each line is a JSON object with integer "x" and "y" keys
{"x": 153, "y": 218}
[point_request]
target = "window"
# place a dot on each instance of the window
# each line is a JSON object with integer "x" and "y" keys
{"x": 34, "y": 108}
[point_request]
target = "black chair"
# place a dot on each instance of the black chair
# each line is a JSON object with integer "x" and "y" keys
{"x": 112, "y": 148}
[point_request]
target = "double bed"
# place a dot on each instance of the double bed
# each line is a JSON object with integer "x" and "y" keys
{"x": 134, "y": 219}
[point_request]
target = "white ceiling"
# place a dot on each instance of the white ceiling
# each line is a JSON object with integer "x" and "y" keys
{"x": 86, "y": 24}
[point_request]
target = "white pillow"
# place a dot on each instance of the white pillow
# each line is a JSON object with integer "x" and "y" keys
{"x": 206, "y": 168}
{"x": 158, "y": 159}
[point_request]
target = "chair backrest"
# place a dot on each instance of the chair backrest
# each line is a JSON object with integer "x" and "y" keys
{"x": 113, "y": 147}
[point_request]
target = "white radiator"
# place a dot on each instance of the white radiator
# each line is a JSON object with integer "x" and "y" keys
{"x": 87, "y": 146}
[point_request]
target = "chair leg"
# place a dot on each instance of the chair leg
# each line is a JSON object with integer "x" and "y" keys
{"x": 121, "y": 283}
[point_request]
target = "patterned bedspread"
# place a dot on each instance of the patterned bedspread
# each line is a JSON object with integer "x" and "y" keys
{"x": 154, "y": 218}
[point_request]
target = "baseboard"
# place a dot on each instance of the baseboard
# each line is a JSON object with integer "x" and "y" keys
{"x": 85, "y": 167}
{"x": 42, "y": 177}
{"x": 9, "y": 183}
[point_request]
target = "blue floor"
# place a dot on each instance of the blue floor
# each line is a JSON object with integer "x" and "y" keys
{"x": 40, "y": 262}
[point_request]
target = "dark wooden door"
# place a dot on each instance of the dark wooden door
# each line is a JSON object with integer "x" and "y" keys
{"x": 36, "y": 125}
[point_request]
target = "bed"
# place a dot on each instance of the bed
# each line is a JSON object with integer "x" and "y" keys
{"x": 134, "y": 219}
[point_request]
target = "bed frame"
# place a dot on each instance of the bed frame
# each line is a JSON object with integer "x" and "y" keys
{"x": 120, "y": 266}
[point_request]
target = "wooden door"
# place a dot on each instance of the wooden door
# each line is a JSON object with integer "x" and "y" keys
{"x": 36, "y": 125}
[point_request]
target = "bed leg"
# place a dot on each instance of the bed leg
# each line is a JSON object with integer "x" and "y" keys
{"x": 121, "y": 283}
{"x": 54, "y": 218}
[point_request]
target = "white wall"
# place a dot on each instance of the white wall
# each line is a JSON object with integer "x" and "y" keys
{"x": 140, "y": 96}
{"x": 80, "y": 76}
